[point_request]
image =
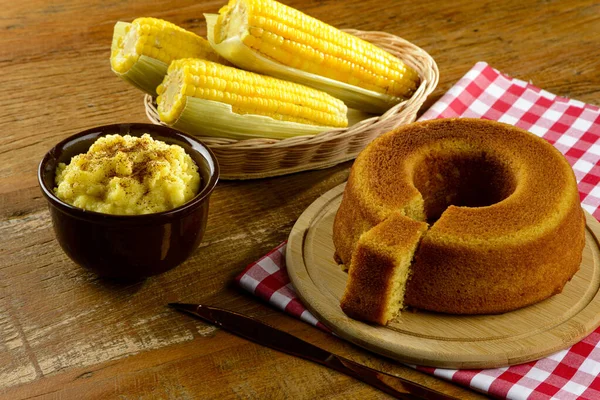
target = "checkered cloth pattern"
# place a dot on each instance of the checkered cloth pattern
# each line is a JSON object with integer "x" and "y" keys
{"x": 573, "y": 128}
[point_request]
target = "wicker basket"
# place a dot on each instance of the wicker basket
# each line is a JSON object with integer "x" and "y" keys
{"x": 260, "y": 158}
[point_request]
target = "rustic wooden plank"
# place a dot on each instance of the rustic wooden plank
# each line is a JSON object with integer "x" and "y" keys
{"x": 125, "y": 320}
{"x": 63, "y": 332}
{"x": 219, "y": 365}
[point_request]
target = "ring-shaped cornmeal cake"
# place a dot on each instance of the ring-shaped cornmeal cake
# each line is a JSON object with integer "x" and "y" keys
{"x": 459, "y": 216}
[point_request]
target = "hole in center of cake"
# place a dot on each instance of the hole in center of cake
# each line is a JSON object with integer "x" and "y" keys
{"x": 467, "y": 179}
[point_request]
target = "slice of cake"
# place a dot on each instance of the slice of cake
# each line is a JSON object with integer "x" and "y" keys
{"x": 379, "y": 269}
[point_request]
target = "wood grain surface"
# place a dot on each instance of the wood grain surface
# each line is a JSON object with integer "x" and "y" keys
{"x": 433, "y": 339}
{"x": 66, "y": 334}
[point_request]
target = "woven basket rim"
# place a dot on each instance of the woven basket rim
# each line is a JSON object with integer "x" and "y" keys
{"x": 411, "y": 54}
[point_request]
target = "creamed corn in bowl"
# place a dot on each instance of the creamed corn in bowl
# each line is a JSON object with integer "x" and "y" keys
{"x": 128, "y": 175}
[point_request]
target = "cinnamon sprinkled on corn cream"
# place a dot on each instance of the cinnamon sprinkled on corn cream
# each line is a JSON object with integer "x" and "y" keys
{"x": 128, "y": 175}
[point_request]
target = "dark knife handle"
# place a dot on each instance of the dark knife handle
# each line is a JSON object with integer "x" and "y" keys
{"x": 389, "y": 384}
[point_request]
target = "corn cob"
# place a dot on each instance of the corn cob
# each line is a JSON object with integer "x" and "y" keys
{"x": 306, "y": 49}
{"x": 142, "y": 50}
{"x": 202, "y": 97}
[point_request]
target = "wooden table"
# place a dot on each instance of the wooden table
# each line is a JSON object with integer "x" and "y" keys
{"x": 66, "y": 334}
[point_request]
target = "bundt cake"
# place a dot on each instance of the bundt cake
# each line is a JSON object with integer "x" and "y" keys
{"x": 460, "y": 216}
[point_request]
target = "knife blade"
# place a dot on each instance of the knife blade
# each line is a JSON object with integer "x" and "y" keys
{"x": 266, "y": 335}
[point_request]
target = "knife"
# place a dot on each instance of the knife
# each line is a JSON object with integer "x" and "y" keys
{"x": 266, "y": 335}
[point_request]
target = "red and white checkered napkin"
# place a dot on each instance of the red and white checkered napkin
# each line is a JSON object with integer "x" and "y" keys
{"x": 573, "y": 128}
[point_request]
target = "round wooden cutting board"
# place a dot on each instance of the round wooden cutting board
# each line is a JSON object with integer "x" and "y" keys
{"x": 439, "y": 340}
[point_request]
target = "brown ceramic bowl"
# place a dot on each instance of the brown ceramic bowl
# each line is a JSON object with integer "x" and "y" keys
{"x": 129, "y": 247}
